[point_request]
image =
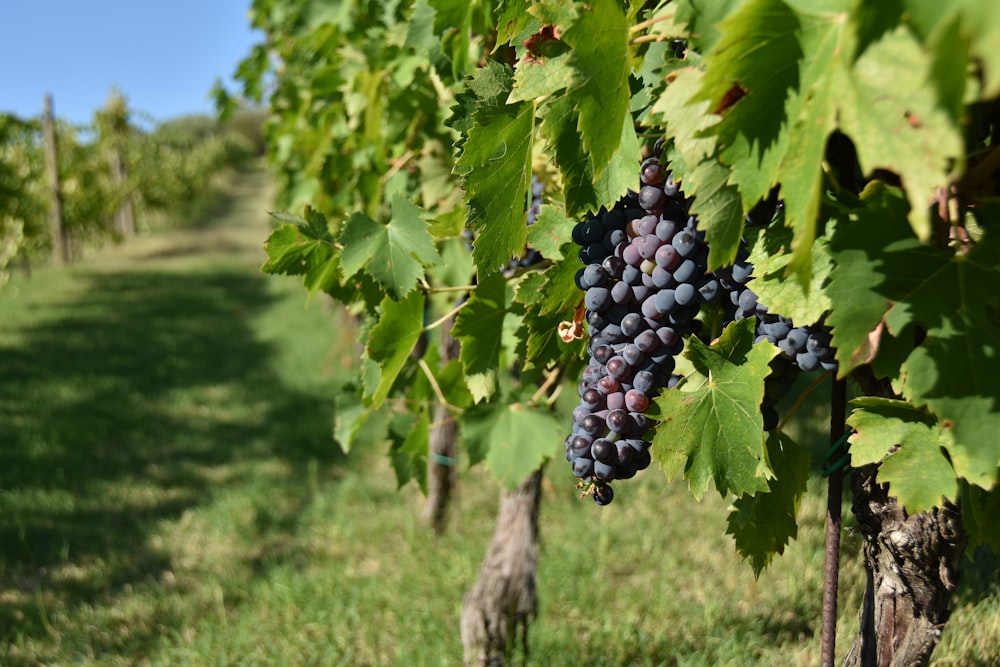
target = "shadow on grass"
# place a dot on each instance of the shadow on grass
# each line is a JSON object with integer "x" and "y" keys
{"x": 112, "y": 418}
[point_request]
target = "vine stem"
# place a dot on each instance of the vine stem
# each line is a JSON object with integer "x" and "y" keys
{"x": 834, "y": 500}
{"x": 441, "y": 320}
{"x": 551, "y": 378}
{"x": 639, "y": 27}
{"x": 436, "y": 387}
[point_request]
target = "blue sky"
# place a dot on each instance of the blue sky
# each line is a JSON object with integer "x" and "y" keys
{"x": 163, "y": 55}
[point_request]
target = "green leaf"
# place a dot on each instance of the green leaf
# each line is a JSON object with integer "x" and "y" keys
{"x": 602, "y": 59}
{"x": 719, "y": 210}
{"x": 752, "y": 134}
{"x": 703, "y": 18}
{"x": 711, "y": 425}
{"x": 763, "y": 523}
{"x": 479, "y": 328}
{"x": 549, "y": 233}
{"x": 908, "y": 443}
{"x": 559, "y": 125}
{"x": 303, "y": 248}
{"x": 394, "y": 254}
{"x": 955, "y": 368}
{"x": 520, "y": 439}
{"x": 392, "y": 340}
{"x": 513, "y": 20}
{"x": 410, "y": 438}
{"x": 770, "y": 256}
{"x": 585, "y": 188}
{"x": 980, "y": 509}
{"x": 891, "y": 113}
{"x": 553, "y": 290}
{"x": 687, "y": 120}
{"x": 826, "y": 45}
{"x": 534, "y": 79}
{"x": 613, "y": 180}
{"x": 869, "y": 254}
{"x": 355, "y": 424}
{"x": 541, "y": 342}
{"x": 496, "y": 171}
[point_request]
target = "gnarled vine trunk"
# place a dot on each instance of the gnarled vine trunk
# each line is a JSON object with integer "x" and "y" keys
{"x": 503, "y": 600}
{"x": 912, "y": 565}
{"x": 441, "y": 449}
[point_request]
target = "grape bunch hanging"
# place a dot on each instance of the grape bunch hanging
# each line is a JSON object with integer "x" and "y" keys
{"x": 645, "y": 280}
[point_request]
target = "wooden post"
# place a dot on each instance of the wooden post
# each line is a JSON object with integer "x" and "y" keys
{"x": 57, "y": 223}
{"x": 124, "y": 218}
{"x": 114, "y": 129}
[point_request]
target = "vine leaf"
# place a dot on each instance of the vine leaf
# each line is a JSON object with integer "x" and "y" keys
{"x": 410, "y": 441}
{"x": 395, "y": 254}
{"x": 890, "y": 111}
{"x": 908, "y": 444}
{"x": 602, "y": 59}
{"x": 980, "y": 509}
{"x": 303, "y": 247}
{"x": 517, "y": 438}
{"x": 762, "y": 524}
{"x": 535, "y": 79}
{"x": 356, "y": 425}
{"x": 479, "y": 329}
{"x": 955, "y": 369}
{"x": 825, "y": 38}
{"x": 718, "y": 206}
{"x": 549, "y": 232}
{"x": 554, "y": 290}
{"x": 391, "y": 342}
{"x": 686, "y": 120}
{"x": 867, "y": 252}
{"x": 563, "y": 143}
{"x": 771, "y": 259}
{"x": 753, "y": 130}
{"x": 711, "y": 426}
{"x": 495, "y": 166}
{"x": 886, "y": 277}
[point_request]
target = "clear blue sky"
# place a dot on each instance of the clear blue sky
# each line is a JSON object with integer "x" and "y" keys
{"x": 163, "y": 55}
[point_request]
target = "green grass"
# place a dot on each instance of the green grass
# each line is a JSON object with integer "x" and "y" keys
{"x": 170, "y": 495}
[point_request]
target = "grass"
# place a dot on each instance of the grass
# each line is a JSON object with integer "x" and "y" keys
{"x": 170, "y": 495}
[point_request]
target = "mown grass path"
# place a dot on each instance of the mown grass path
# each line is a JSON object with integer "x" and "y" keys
{"x": 135, "y": 386}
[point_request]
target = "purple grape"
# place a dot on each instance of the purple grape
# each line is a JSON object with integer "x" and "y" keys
{"x": 632, "y": 324}
{"x": 650, "y": 172}
{"x": 647, "y": 246}
{"x": 685, "y": 242}
{"x": 603, "y": 494}
{"x": 597, "y": 298}
{"x": 685, "y": 294}
{"x": 636, "y": 401}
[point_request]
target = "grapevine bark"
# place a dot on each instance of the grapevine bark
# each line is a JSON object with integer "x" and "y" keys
{"x": 503, "y": 600}
{"x": 912, "y": 567}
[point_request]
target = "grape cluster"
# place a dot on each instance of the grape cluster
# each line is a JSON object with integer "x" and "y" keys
{"x": 804, "y": 348}
{"x": 644, "y": 280}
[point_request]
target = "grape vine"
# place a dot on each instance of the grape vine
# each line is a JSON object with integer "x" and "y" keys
{"x": 866, "y": 136}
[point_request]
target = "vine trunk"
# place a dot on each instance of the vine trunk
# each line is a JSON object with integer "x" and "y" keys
{"x": 502, "y": 602}
{"x": 912, "y": 566}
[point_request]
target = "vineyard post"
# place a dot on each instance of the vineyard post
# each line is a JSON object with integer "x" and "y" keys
{"x": 117, "y": 129}
{"x": 57, "y": 222}
{"x": 835, "y": 495}
{"x": 124, "y": 217}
